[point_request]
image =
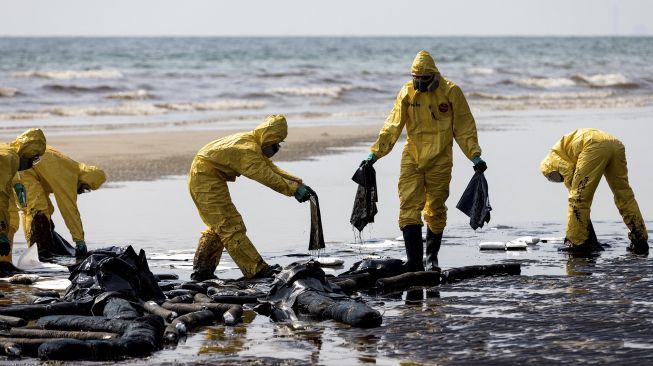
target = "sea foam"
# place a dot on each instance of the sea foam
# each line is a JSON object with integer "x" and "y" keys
{"x": 69, "y": 74}
{"x": 318, "y": 91}
{"x": 546, "y": 83}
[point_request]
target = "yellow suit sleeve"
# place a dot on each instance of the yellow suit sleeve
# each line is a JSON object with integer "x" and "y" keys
{"x": 392, "y": 127}
{"x": 8, "y": 167}
{"x": 464, "y": 126}
{"x": 284, "y": 173}
{"x": 255, "y": 166}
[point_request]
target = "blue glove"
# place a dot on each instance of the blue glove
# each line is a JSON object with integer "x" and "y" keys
{"x": 370, "y": 159}
{"x": 21, "y": 193}
{"x": 479, "y": 164}
{"x": 80, "y": 248}
{"x": 5, "y": 245}
{"x": 303, "y": 193}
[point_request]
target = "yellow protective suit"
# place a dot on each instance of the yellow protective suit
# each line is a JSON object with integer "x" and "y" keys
{"x": 219, "y": 162}
{"x": 55, "y": 173}
{"x": 29, "y": 144}
{"x": 582, "y": 157}
{"x": 433, "y": 120}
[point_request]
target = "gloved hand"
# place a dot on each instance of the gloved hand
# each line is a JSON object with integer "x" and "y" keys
{"x": 479, "y": 164}
{"x": 303, "y": 193}
{"x": 5, "y": 246}
{"x": 80, "y": 248}
{"x": 21, "y": 193}
{"x": 370, "y": 159}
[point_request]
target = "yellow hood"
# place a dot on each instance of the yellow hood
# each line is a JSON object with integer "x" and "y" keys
{"x": 553, "y": 162}
{"x": 30, "y": 143}
{"x": 91, "y": 175}
{"x": 423, "y": 64}
{"x": 273, "y": 130}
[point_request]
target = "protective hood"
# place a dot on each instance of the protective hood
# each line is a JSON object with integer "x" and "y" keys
{"x": 273, "y": 130}
{"x": 91, "y": 175}
{"x": 423, "y": 64}
{"x": 30, "y": 143}
{"x": 553, "y": 162}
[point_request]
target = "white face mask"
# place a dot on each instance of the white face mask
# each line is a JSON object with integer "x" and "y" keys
{"x": 555, "y": 177}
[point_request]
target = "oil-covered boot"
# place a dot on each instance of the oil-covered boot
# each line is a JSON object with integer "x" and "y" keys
{"x": 433, "y": 242}
{"x": 40, "y": 233}
{"x": 414, "y": 248}
{"x": 638, "y": 245}
{"x": 207, "y": 256}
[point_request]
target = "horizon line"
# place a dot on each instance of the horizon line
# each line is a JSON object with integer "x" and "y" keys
{"x": 323, "y": 36}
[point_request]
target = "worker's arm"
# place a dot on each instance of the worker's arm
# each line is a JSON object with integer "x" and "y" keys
{"x": 255, "y": 166}
{"x": 464, "y": 126}
{"x": 393, "y": 126}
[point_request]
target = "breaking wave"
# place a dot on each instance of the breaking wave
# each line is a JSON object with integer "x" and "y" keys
{"x": 212, "y": 106}
{"x": 323, "y": 91}
{"x": 605, "y": 80}
{"x": 132, "y": 109}
{"x": 545, "y": 83}
{"x": 480, "y": 71}
{"x": 129, "y": 95}
{"x": 70, "y": 74}
{"x": 6, "y": 92}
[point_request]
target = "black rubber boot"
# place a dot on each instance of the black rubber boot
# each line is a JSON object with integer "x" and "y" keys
{"x": 638, "y": 247}
{"x": 414, "y": 248}
{"x": 433, "y": 242}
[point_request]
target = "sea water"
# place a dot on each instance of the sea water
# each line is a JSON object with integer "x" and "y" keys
{"x": 94, "y": 84}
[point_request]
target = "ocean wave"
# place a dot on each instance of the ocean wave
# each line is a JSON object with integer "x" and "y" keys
{"x": 480, "y": 71}
{"x": 319, "y": 91}
{"x": 7, "y": 92}
{"x": 212, "y": 106}
{"x": 78, "y": 88}
{"x": 545, "y": 83}
{"x": 70, "y": 74}
{"x": 125, "y": 109}
{"x": 132, "y": 109}
{"x": 129, "y": 95}
{"x": 605, "y": 80}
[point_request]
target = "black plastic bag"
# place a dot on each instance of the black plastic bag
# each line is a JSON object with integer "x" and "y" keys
{"x": 316, "y": 240}
{"x": 475, "y": 201}
{"x": 112, "y": 272}
{"x": 366, "y": 196}
{"x": 305, "y": 287}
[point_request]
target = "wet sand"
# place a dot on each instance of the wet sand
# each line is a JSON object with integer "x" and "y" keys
{"x": 152, "y": 155}
{"x": 560, "y": 310}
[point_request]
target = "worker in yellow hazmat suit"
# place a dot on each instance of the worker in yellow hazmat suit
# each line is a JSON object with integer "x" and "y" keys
{"x": 219, "y": 162}
{"x": 20, "y": 154}
{"x": 435, "y": 113}
{"x": 579, "y": 160}
{"x": 64, "y": 177}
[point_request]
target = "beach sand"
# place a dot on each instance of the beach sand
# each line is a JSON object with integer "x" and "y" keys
{"x": 148, "y": 156}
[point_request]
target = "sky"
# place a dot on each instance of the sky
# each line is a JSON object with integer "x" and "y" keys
{"x": 325, "y": 18}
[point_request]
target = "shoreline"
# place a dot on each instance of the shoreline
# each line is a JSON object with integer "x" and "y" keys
{"x": 153, "y": 155}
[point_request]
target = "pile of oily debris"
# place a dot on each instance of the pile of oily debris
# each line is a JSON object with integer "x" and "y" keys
{"x": 115, "y": 308}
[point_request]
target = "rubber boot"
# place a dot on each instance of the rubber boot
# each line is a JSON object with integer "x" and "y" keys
{"x": 638, "y": 243}
{"x": 41, "y": 235}
{"x": 414, "y": 248}
{"x": 433, "y": 242}
{"x": 207, "y": 257}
